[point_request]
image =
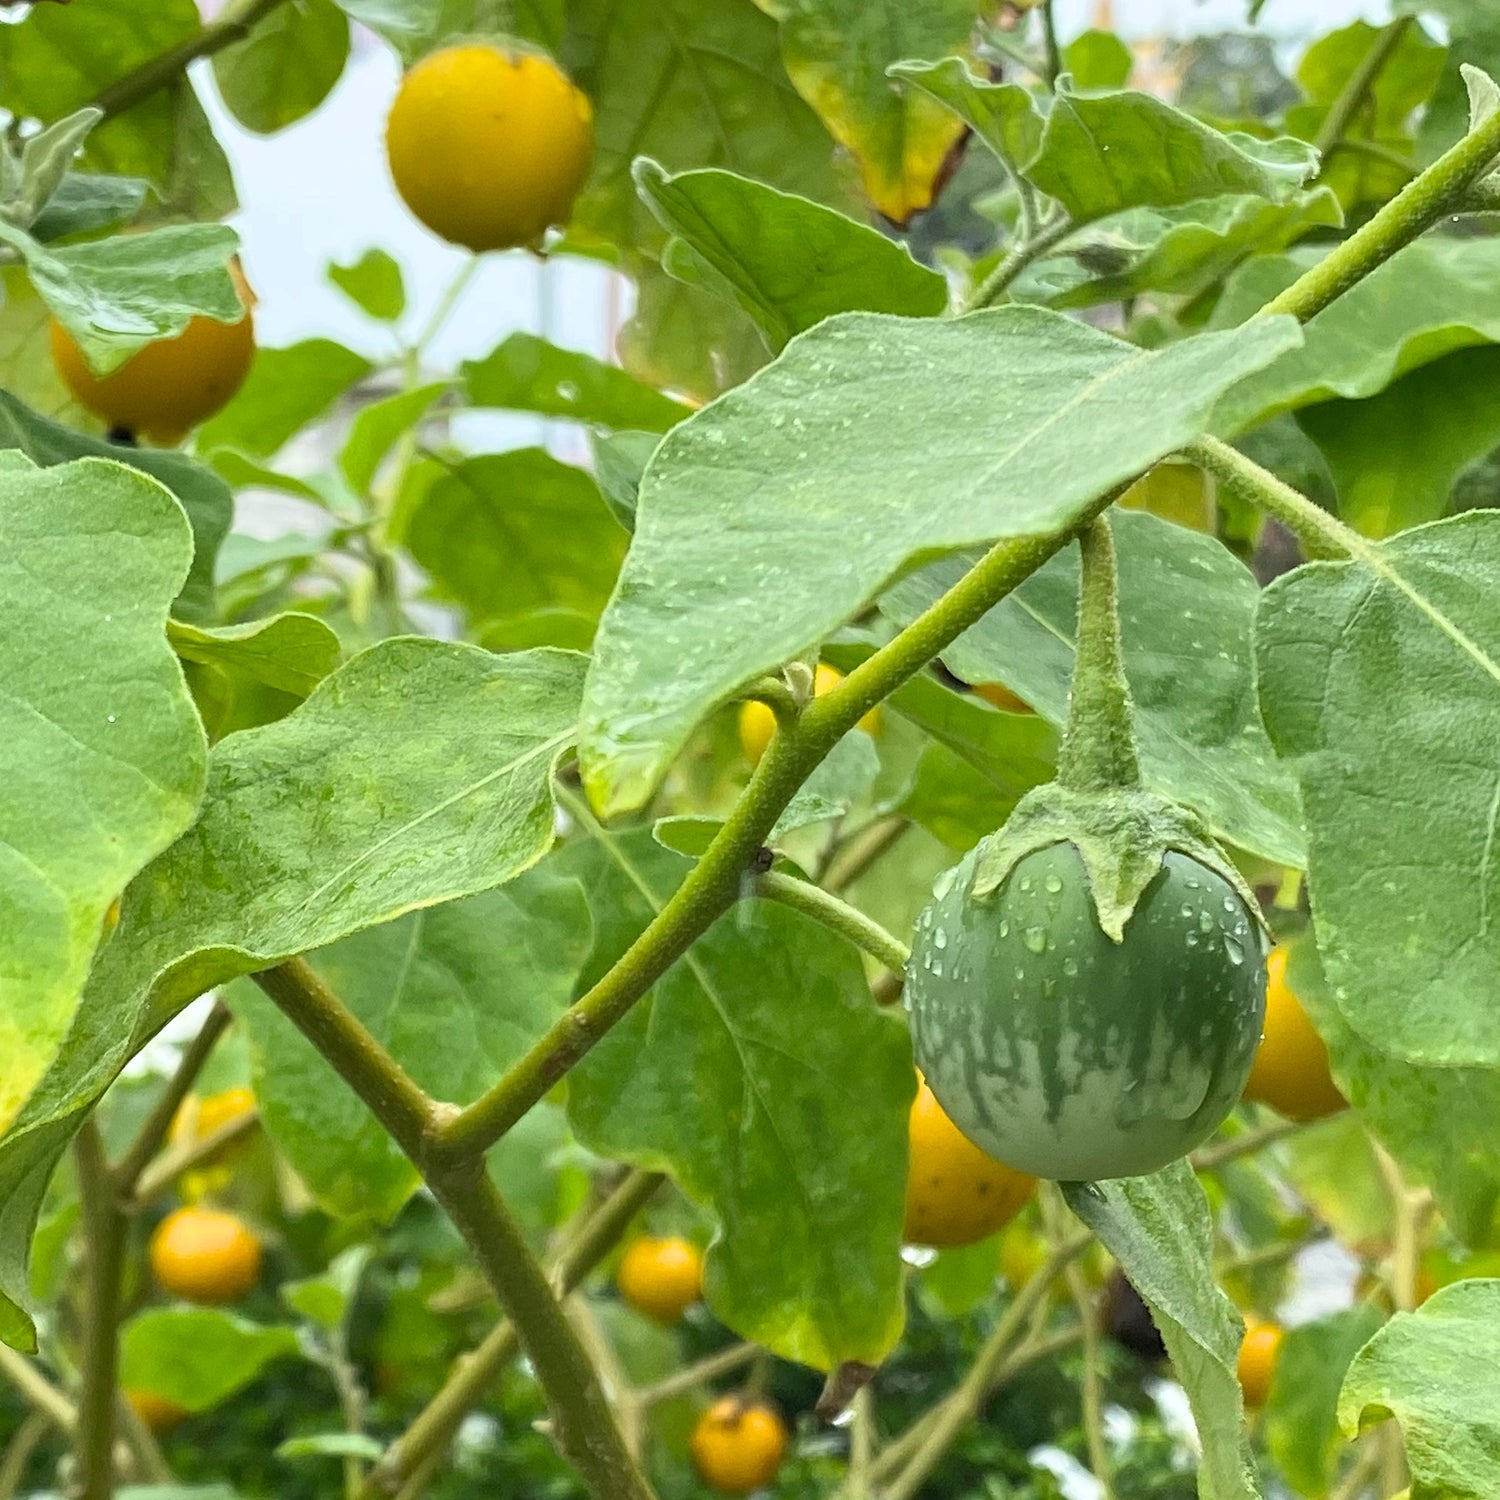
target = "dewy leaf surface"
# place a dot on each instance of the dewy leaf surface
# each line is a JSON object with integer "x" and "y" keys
{"x": 1160, "y": 1230}
{"x": 417, "y": 773}
{"x": 761, "y": 1075}
{"x": 777, "y": 513}
{"x": 1380, "y": 687}
{"x": 1187, "y": 610}
{"x": 101, "y": 755}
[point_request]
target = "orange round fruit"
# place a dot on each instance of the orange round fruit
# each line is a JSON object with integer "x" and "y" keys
{"x": 170, "y": 386}
{"x": 758, "y": 723}
{"x": 489, "y": 147}
{"x": 1257, "y": 1362}
{"x": 738, "y": 1445}
{"x": 1290, "y": 1071}
{"x": 159, "y": 1414}
{"x": 205, "y": 1255}
{"x": 997, "y": 695}
{"x": 956, "y": 1194}
{"x": 661, "y": 1277}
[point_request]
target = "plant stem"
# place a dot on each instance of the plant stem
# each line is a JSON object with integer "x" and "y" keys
{"x": 850, "y": 863}
{"x": 711, "y": 1367}
{"x": 1440, "y": 190}
{"x": 126, "y": 1172}
{"x": 1052, "y": 53}
{"x": 105, "y": 1231}
{"x": 1098, "y": 749}
{"x": 960, "y": 1408}
{"x": 585, "y": 1427}
{"x": 1217, "y": 1153}
{"x": 1020, "y": 256}
{"x": 1356, "y": 90}
{"x": 18, "y": 1453}
{"x": 715, "y": 881}
{"x": 173, "y": 1163}
{"x": 836, "y": 915}
{"x": 235, "y": 22}
{"x": 36, "y": 1390}
{"x": 861, "y": 1443}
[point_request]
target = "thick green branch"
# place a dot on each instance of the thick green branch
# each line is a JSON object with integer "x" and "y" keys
{"x": 1361, "y": 81}
{"x": 105, "y": 1231}
{"x": 1439, "y": 191}
{"x": 836, "y": 915}
{"x": 716, "y": 881}
{"x": 233, "y": 24}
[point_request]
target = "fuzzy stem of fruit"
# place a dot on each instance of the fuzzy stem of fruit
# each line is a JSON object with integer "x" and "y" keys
{"x": 1098, "y": 749}
{"x": 1439, "y": 191}
{"x": 233, "y": 24}
{"x": 836, "y": 915}
{"x": 584, "y": 1425}
{"x": 715, "y": 883}
{"x": 1021, "y": 255}
{"x": 105, "y": 1234}
{"x": 1356, "y": 91}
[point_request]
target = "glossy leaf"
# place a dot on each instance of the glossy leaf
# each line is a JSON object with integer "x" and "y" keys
{"x": 1427, "y": 1370}
{"x": 417, "y": 773}
{"x": 379, "y": 427}
{"x": 837, "y": 52}
{"x": 285, "y": 390}
{"x": 494, "y": 969}
{"x": 526, "y": 373}
{"x": 197, "y": 1357}
{"x": 104, "y": 757}
{"x": 202, "y": 494}
{"x": 773, "y": 516}
{"x": 508, "y": 533}
{"x": 760, "y": 1074}
{"x": 787, "y": 262}
{"x": 1400, "y": 807}
{"x": 1187, "y": 610}
{"x": 1160, "y": 1231}
{"x": 374, "y": 284}
{"x": 286, "y": 67}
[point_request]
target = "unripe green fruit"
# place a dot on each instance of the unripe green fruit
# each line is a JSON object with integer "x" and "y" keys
{"x": 1070, "y": 1056}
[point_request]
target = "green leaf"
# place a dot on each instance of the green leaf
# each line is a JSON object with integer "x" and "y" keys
{"x": 415, "y": 27}
{"x": 203, "y": 495}
{"x": 1187, "y": 608}
{"x": 374, "y": 284}
{"x": 1429, "y": 1370}
{"x": 85, "y": 201}
{"x": 326, "y": 1299}
{"x": 837, "y": 52}
{"x": 959, "y": 1280}
{"x": 620, "y": 459}
{"x": 1301, "y": 1421}
{"x": 507, "y": 534}
{"x": 691, "y": 85}
{"x": 116, "y": 294}
{"x": 784, "y": 508}
{"x": 44, "y": 161}
{"x": 1395, "y": 457}
{"x": 787, "y": 262}
{"x": 1098, "y": 60}
{"x": 1400, "y": 806}
{"x": 495, "y": 969}
{"x": 844, "y": 776}
{"x": 331, "y": 1445}
{"x": 417, "y": 773}
{"x": 245, "y": 675}
{"x": 286, "y": 67}
{"x": 1005, "y": 116}
{"x": 1160, "y": 1230}
{"x": 759, "y": 1073}
{"x": 197, "y": 1357}
{"x": 1439, "y": 1123}
{"x": 104, "y": 757}
{"x": 954, "y": 802}
{"x": 285, "y": 390}
{"x": 526, "y": 373}
{"x": 1434, "y": 297}
{"x": 379, "y": 427}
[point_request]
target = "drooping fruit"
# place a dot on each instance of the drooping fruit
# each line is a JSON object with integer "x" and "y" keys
{"x": 168, "y": 387}
{"x": 758, "y": 723}
{"x": 738, "y": 1444}
{"x": 487, "y": 146}
{"x": 1257, "y": 1362}
{"x": 955, "y": 1193}
{"x": 1068, "y": 1054}
{"x": 1290, "y": 1072}
{"x": 205, "y": 1255}
{"x": 661, "y": 1277}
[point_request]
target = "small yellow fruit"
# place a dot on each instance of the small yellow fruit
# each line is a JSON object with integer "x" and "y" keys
{"x": 758, "y": 723}
{"x": 1290, "y": 1071}
{"x": 489, "y": 148}
{"x": 204, "y": 1255}
{"x": 159, "y": 1414}
{"x": 661, "y": 1278}
{"x": 738, "y": 1445}
{"x": 170, "y": 386}
{"x": 956, "y": 1194}
{"x": 1257, "y": 1362}
{"x": 997, "y": 695}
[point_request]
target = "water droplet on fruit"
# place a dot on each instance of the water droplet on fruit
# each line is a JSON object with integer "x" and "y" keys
{"x": 1205, "y": 922}
{"x": 1004, "y": 928}
{"x": 1234, "y": 950}
{"x": 1026, "y": 884}
{"x": 1054, "y": 883}
{"x": 940, "y": 938}
{"x": 1070, "y": 967}
{"x": 943, "y": 884}
{"x": 1036, "y": 939}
